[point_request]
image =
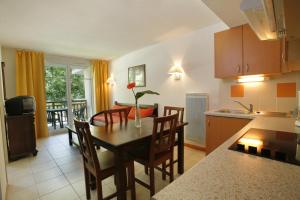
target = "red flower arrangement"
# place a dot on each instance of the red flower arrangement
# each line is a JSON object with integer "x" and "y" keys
{"x": 137, "y": 96}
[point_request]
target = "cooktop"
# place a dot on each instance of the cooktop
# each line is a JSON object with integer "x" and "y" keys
{"x": 277, "y": 145}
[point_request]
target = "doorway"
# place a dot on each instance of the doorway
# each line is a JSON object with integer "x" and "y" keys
{"x": 68, "y": 95}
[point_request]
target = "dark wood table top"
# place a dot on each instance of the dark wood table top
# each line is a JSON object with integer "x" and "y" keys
{"x": 117, "y": 135}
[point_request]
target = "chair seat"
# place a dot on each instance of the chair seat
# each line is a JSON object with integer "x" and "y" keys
{"x": 141, "y": 155}
{"x": 106, "y": 159}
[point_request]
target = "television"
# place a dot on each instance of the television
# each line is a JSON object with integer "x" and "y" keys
{"x": 20, "y": 105}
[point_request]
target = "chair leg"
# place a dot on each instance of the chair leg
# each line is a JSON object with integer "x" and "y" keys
{"x": 87, "y": 183}
{"x": 152, "y": 181}
{"x": 132, "y": 180}
{"x": 164, "y": 170}
{"x": 146, "y": 169}
{"x": 171, "y": 170}
{"x": 99, "y": 188}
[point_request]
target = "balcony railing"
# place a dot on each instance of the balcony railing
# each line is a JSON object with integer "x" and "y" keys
{"x": 79, "y": 107}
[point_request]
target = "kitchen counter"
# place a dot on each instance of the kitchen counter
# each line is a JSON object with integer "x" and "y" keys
{"x": 227, "y": 174}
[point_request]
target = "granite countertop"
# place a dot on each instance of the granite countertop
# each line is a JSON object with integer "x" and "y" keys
{"x": 226, "y": 174}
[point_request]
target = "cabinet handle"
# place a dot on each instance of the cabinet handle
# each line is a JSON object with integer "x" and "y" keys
{"x": 238, "y": 68}
{"x": 247, "y": 68}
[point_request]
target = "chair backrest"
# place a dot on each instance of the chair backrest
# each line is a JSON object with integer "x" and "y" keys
{"x": 122, "y": 113}
{"x": 87, "y": 146}
{"x": 163, "y": 135}
{"x": 169, "y": 110}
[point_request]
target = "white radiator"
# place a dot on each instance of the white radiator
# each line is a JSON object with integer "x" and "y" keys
{"x": 196, "y": 105}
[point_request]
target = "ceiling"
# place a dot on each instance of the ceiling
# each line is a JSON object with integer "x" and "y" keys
{"x": 98, "y": 28}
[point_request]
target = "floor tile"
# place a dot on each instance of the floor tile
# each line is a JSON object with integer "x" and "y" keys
{"x": 65, "y": 193}
{"x": 70, "y": 167}
{"x": 52, "y": 185}
{"x": 29, "y": 193}
{"x": 75, "y": 176}
{"x": 47, "y": 174}
{"x": 22, "y": 182}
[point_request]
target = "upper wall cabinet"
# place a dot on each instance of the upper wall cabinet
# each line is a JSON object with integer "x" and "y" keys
{"x": 229, "y": 53}
{"x": 238, "y": 51}
{"x": 260, "y": 57}
{"x": 291, "y": 56}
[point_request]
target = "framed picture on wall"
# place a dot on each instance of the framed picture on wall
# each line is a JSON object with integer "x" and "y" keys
{"x": 137, "y": 74}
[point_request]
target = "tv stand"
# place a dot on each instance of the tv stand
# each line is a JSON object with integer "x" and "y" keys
{"x": 20, "y": 133}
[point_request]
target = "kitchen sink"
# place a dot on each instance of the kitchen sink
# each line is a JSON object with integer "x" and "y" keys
{"x": 231, "y": 111}
{"x": 258, "y": 113}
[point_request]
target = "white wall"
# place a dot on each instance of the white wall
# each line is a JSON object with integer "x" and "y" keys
{"x": 194, "y": 51}
{"x": 3, "y": 178}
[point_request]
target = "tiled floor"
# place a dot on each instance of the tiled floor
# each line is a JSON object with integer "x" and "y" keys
{"x": 56, "y": 173}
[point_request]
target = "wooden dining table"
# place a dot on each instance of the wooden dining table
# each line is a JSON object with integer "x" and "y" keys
{"x": 121, "y": 138}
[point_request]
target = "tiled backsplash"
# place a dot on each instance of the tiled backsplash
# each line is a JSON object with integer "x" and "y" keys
{"x": 276, "y": 94}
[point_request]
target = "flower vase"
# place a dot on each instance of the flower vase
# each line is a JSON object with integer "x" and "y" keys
{"x": 138, "y": 121}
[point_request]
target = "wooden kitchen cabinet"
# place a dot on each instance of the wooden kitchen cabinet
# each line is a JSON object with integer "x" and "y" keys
{"x": 219, "y": 129}
{"x": 291, "y": 55}
{"x": 238, "y": 51}
{"x": 260, "y": 57}
{"x": 228, "y": 53}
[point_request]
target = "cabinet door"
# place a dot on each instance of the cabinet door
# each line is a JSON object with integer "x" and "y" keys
{"x": 293, "y": 55}
{"x": 220, "y": 129}
{"x": 260, "y": 57}
{"x": 228, "y": 53}
{"x": 231, "y": 126}
{"x": 213, "y": 139}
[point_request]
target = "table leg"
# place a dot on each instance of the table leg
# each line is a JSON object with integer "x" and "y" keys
{"x": 180, "y": 150}
{"x": 120, "y": 175}
{"x": 61, "y": 120}
{"x": 70, "y": 137}
{"x": 53, "y": 119}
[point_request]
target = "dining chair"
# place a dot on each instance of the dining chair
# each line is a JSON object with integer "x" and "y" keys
{"x": 169, "y": 110}
{"x": 160, "y": 150}
{"x": 99, "y": 165}
{"x": 113, "y": 115}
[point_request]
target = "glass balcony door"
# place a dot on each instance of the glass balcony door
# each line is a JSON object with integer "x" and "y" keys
{"x": 56, "y": 97}
{"x": 69, "y": 95}
{"x": 80, "y": 92}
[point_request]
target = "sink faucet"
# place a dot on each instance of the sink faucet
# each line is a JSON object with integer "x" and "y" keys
{"x": 250, "y": 109}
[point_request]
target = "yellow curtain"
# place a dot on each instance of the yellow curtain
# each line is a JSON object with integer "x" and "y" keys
{"x": 100, "y": 76}
{"x": 30, "y": 80}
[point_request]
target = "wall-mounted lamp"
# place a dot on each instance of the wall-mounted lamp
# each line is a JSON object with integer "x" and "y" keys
{"x": 252, "y": 78}
{"x": 176, "y": 71}
{"x": 111, "y": 81}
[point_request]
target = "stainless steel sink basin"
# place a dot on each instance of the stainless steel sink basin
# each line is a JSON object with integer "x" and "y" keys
{"x": 259, "y": 113}
{"x": 231, "y": 111}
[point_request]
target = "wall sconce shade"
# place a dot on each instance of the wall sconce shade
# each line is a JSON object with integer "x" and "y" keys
{"x": 111, "y": 81}
{"x": 176, "y": 71}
